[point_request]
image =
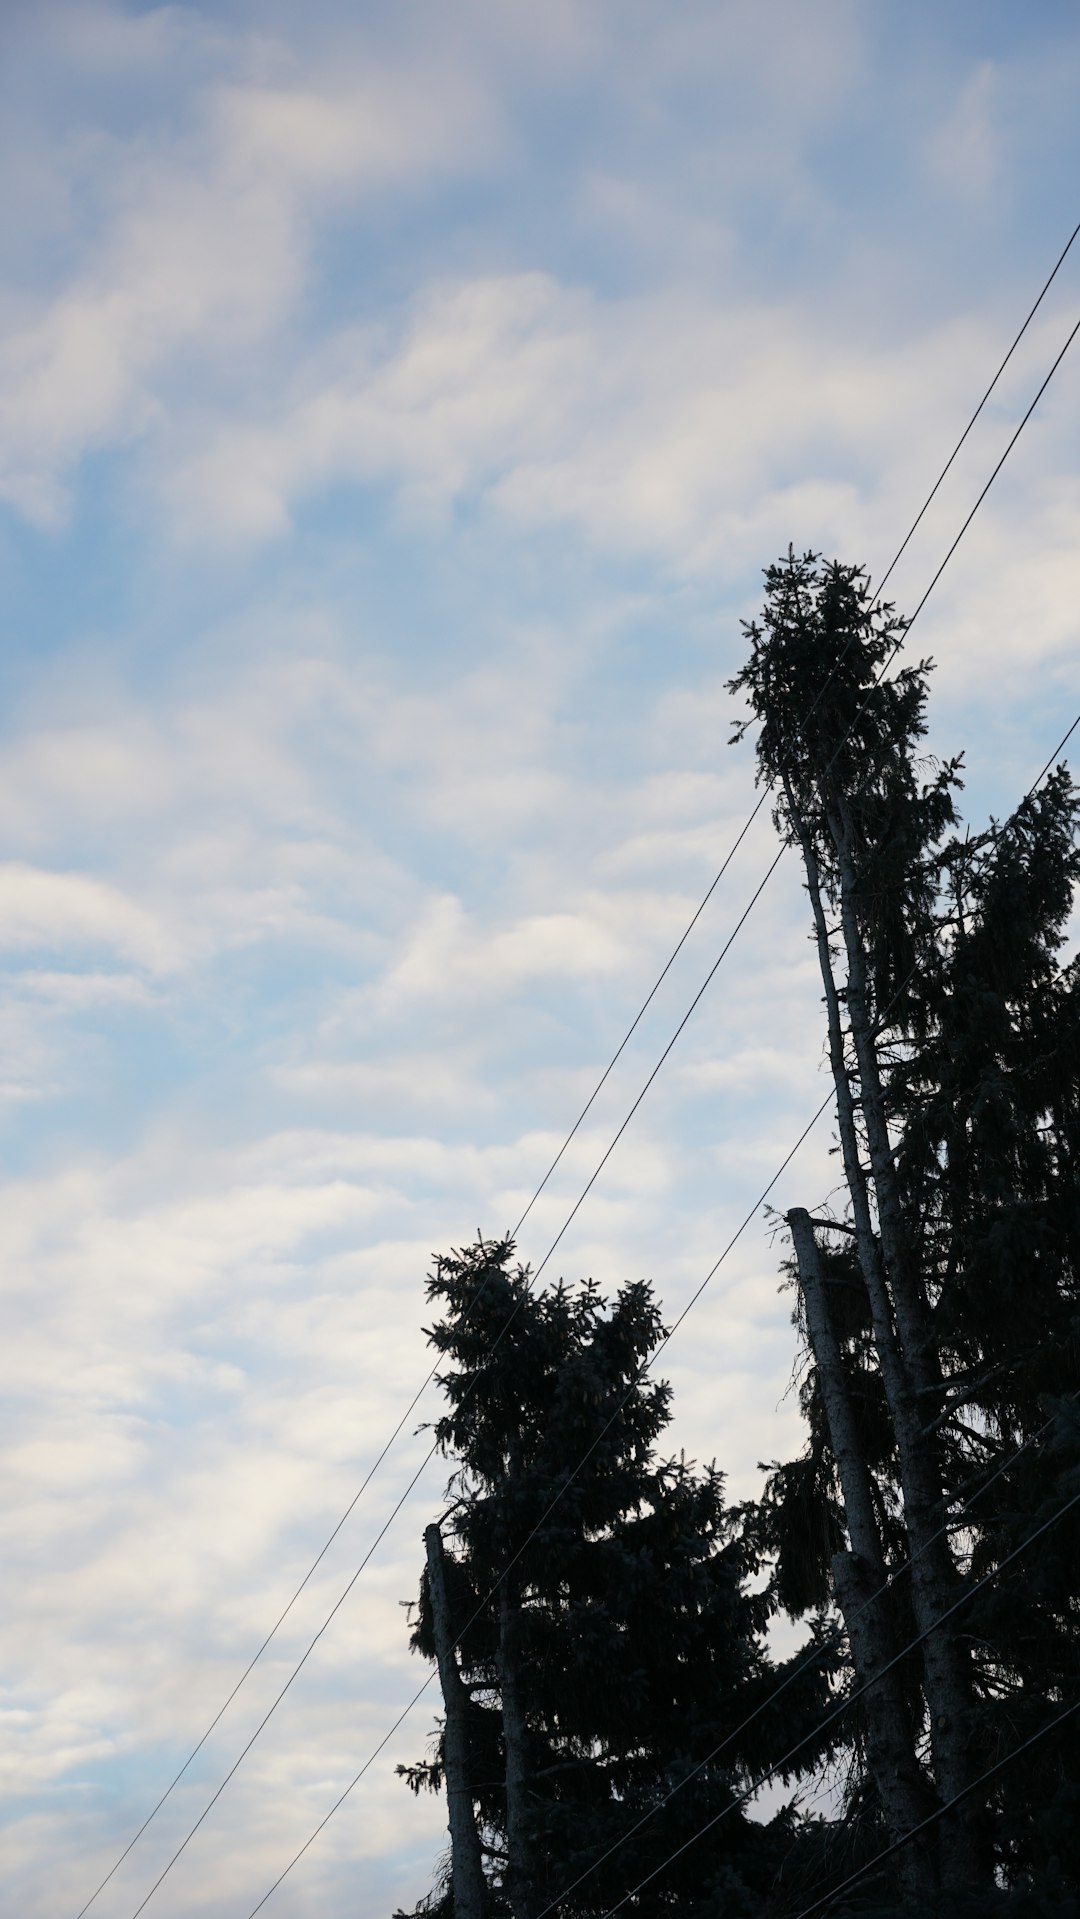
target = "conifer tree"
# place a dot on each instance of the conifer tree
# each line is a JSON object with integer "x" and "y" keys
{"x": 605, "y": 1632}
{"x": 941, "y": 1308}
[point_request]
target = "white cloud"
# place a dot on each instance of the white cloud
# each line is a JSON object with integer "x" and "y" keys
{"x": 185, "y": 266}
{"x": 963, "y": 152}
{"x": 370, "y": 128}
{"x": 48, "y": 912}
{"x": 683, "y": 428}
{"x": 446, "y": 956}
{"x": 442, "y": 1080}
{"x": 323, "y": 911}
{"x": 204, "y": 253}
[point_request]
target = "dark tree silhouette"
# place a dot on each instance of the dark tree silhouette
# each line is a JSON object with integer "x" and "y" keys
{"x": 621, "y": 1644}
{"x": 940, "y": 1308}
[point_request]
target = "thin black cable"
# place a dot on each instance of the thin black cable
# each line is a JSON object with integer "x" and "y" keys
{"x": 1062, "y": 742}
{"x": 606, "y": 1156}
{"x": 581, "y": 1198}
{"x": 956, "y": 449}
{"x": 818, "y": 1651}
{"x": 297, "y": 1669}
{"x": 908, "y": 624}
{"x": 620, "y": 1049}
{"x": 665, "y": 1341}
{"x": 433, "y": 1448}
{"x": 811, "y": 1659}
{"x": 939, "y": 1812}
{"x": 648, "y": 1000}
{"x": 421, "y": 1690}
{"x": 886, "y": 576}
{"x": 696, "y": 1001}
{"x": 838, "y": 1711}
{"x": 758, "y": 1784}
{"x": 257, "y": 1656}
{"x": 994, "y": 474}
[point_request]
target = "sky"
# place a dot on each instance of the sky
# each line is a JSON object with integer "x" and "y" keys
{"x": 398, "y": 406}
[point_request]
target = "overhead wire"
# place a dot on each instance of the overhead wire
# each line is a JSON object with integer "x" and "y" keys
{"x": 649, "y": 1363}
{"x": 422, "y": 1689}
{"x": 620, "y": 1049}
{"x": 1048, "y": 283}
{"x": 410, "y": 1408}
{"x": 750, "y": 1793}
{"x": 733, "y": 849}
{"x": 939, "y": 1812}
{"x": 815, "y": 1654}
{"x": 837, "y": 1713}
{"x": 824, "y": 1647}
{"x": 821, "y": 1650}
{"x": 697, "y": 1294}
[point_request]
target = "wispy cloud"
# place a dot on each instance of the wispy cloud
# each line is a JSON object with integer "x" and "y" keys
{"x": 205, "y": 245}
{"x": 395, "y": 411}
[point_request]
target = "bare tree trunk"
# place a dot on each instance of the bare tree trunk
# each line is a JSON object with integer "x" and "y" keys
{"x": 889, "y": 1356}
{"x": 519, "y": 1875}
{"x": 933, "y": 1574}
{"x": 912, "y": 1306}
{"x": 862, "y": 1587}
{"x": 469, "y": 1889}
{"x": 933, "y": 1583}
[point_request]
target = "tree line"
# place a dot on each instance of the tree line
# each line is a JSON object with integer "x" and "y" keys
{"x": 599, "y": 1613}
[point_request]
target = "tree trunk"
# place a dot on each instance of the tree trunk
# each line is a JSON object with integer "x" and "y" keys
{"x": 889, "y": 1355}
{"x": 933, "y": 1573}
{"x": 519, "y": 1875}
{"x": 862, "y": 1588}
{"x": 469, "y": 1889}
{"x": 932, "y": 1576}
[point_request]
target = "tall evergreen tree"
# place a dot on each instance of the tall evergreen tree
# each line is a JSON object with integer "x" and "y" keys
{"x": 605, "y": 1632}
{"x": 942, "y": 1316}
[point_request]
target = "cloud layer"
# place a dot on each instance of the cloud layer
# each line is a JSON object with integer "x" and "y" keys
{"x": 395, "y": 415}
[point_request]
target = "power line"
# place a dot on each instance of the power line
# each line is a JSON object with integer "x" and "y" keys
{"x": 1065, "y": 738}
{"x": 956, "y": 449}
{"x": 751, "y": 817}
{"x": 939, "y": 1812}
{"x": 589, "y": 1184}
{"x": 816, "y": 1653}
{"x": 421, "y": 1690}
{"x": 175, "y": 1781}
{"x": 994, "y": 474}
{"x": 664, "y": 1342}
{"x": 838, "y": 1712}
{"x": 603, "y": 1161}
{"x": 604, "y": 1076}
{"x": 836, "y": 1637}
{"x": 601, "y": 1082}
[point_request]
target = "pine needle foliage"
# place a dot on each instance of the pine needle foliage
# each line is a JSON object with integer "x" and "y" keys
{"x": 639, "y": 1643}
{"x": 951, "y": 947}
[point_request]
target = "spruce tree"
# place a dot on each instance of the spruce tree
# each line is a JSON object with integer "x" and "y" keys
{"x": 606, "y": 1633}
{"x": 941, "y": 1308}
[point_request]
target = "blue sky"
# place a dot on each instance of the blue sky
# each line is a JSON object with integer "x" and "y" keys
{"x": 397, "y": 408}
